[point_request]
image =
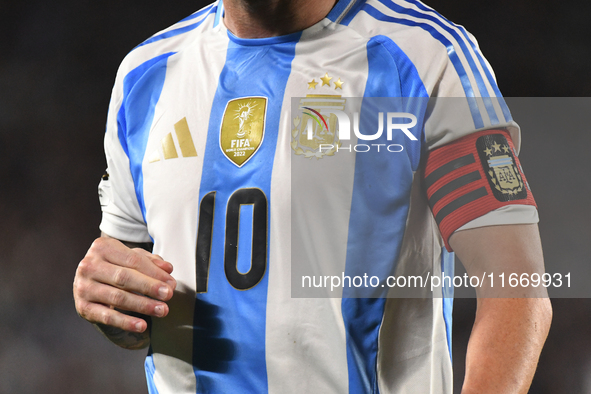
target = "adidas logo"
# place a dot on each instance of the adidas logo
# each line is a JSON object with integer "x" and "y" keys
{"x": 184, "y": 141}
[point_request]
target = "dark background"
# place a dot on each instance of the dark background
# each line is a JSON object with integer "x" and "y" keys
{"x": 57, "y": 64}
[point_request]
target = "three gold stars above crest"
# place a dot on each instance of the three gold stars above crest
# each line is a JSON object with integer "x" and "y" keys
{"x": 338, "y": 84}
{"x": 496, "y": 147}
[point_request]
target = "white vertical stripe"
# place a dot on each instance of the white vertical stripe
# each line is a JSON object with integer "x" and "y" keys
{"x": 413, "y": 354}
{"x": 301, "y": 339}
{"x": 306, "y": 346}
{"x": 172, "y": 202}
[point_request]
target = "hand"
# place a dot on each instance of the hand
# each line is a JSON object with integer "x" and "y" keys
{"x": 111, "y": 275}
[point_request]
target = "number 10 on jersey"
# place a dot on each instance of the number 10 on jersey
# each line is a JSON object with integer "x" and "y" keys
{"x": 258, "y": 262}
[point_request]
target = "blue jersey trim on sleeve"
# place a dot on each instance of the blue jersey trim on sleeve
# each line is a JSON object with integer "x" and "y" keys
{"x": 487, "y": 71}
{"x": 483, "y": 91}
{"x": 477, "y": 118}
{"x": 141, "y": 91}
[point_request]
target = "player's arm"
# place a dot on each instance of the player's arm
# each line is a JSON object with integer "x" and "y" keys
{"x": 118, "y": 287}
{"x": 511, "y": 324}
{"x": 486, "y": 214}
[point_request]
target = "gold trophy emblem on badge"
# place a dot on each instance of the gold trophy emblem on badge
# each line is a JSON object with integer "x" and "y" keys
{"x": 243, "y": 128}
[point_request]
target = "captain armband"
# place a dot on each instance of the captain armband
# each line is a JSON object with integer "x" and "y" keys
{"x": 473, "y": 176}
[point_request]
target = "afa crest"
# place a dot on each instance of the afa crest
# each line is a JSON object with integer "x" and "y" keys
{"x": 313, "y": 128}
{"x": 243, "y": 128}
{"x": 499, "y": 164}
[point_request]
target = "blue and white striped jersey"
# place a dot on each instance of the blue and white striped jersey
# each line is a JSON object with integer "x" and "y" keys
{"x": 183, "y": 176}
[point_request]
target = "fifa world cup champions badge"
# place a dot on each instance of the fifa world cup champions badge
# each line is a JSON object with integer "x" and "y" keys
{"x": 243, "y": 128}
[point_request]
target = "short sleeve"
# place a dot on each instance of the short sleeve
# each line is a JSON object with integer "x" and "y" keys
{"x": 122, "y": 216}
{"x": 472, "y": 174}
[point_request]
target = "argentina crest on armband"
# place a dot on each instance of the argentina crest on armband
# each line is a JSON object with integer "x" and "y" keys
{"x": 498, "y": 162}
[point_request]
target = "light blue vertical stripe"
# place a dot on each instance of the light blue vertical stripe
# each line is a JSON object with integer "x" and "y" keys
{"x": 400, "y": 79}
{"x": 150, "y": 370}
{"x": 447, "y": 267}
{"x": 230, "y": 325}
{"x": 141, "y": 91}
{"x": 363, "y": 319}
{"x": 379, "y": 209}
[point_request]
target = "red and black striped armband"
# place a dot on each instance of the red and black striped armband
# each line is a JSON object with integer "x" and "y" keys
{"x": 473, "y": 176}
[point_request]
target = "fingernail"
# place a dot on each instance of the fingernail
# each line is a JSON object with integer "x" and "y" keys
{"x": 163, "y": 292}
{"x": 138, "y": 326}
{"x": 159, "y": 310}
{"x": 171, "y": 283}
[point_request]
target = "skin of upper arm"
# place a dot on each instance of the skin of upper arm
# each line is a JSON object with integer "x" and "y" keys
{"x": 499, "y": 250}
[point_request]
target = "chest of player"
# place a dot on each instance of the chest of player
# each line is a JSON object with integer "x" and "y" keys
{"x": 268, "y": 118}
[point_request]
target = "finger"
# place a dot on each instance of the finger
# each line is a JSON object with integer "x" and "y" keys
{"x": 97, "y": 313}
{"x": 156, "y": 259}
{"x": 124, "y": 300}
{"x": 132, "y": 280}
{"x": 116, "y": 253}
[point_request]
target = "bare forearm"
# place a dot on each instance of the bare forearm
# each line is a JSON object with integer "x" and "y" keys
{"x": 505, "y": 344}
